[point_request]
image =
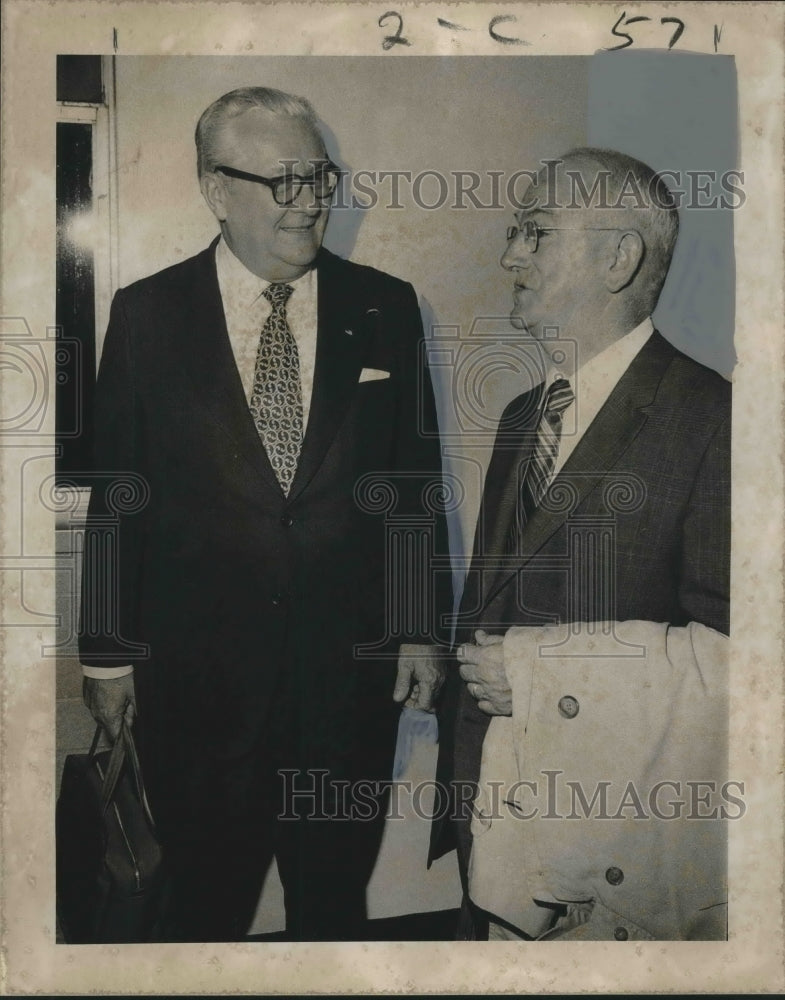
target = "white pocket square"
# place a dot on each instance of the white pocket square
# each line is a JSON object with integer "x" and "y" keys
{"x": 371, "y": 374}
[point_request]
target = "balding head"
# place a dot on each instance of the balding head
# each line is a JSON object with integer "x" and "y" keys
{"x": 636, "y": 198}
{"x": 620, "y": 192}
{"x": 595, "y": 237}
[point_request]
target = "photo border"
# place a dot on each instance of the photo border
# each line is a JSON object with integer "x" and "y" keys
{"x": 751, "y": 961}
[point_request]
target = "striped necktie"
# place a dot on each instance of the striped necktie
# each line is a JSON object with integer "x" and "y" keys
{"x": 276, "y": 398}
{"x": 539, "y": 473}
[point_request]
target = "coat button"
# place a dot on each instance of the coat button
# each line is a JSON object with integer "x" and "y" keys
{"x": 614, "y": 876}
{"x": 277, "y": 600}
{"x": 287, "y": 521}
{"x": 568, "y": 706}
{"x": 621, "y": 934}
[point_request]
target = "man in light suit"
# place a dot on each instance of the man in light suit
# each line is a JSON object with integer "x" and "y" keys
{"x": 592, "y": 713}
{"x": 260, "y": 392}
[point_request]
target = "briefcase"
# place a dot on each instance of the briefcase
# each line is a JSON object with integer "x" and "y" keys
{"x": 110, "y": 875}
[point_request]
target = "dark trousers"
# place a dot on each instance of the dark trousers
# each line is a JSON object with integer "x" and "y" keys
{"x": 222, "y": 822}
{"x": 325, "y": 865}
{"x": 324, "y": 861}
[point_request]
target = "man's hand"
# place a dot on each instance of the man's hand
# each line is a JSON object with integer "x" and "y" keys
{"x": 420, "y": 675}
{"x": 109, "y": 699}
{"x": 482, "y": 666}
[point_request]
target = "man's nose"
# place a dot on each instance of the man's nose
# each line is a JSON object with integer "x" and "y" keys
{"x": 516, "y": 255}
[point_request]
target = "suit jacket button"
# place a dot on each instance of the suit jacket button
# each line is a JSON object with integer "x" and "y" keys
{"x": 621, "y": 934}
{"x": 277, "y": 600}
{"x": 568, "y": 706}
{"x": 614, "y": 876}
{"x": 287, "y": 521}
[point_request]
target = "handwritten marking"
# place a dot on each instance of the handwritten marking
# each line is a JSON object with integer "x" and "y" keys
{"x": 449, "y": 24}
{"x": 623, "y": 34}
{"x": 679, "y": 29}
{"x": 397, "y": 38}
{"x": 504, "y": 39}
{"x": 718, "y": 35}
{"x": 625, "y": 22}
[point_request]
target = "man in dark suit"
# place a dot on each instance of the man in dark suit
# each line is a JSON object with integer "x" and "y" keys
{"x": 262, "y": 396}
{"x": 595, "y": 689}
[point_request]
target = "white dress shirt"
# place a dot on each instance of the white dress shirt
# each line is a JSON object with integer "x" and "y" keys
{"x": 592, "y": 384}
{"x": 245, "y": 310}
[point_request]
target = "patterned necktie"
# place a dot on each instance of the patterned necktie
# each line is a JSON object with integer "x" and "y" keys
{"x": 539, "y": 473}
{"x": 276, "y": 397}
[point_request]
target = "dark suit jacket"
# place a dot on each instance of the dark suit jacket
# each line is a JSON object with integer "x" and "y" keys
{"x": 240, "y": 607}
{"x": 637, "y": 528}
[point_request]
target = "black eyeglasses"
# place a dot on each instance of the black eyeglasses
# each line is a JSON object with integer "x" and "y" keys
{"x": 287, "y": 187}
{"x": 531, "y": 232}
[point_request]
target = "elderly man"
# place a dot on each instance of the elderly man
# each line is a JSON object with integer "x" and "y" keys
{"x": 593, "y": 717}
{"x": 258, "y": 390}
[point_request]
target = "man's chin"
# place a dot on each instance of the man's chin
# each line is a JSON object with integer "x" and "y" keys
{"x": 299, "y": 258}
{"x": 532, "y": 329}
{"x": 304, "y": 259}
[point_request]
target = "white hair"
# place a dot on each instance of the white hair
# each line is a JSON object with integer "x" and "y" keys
{"x": 655, "y": 216}
{"x": 236, "y": 102}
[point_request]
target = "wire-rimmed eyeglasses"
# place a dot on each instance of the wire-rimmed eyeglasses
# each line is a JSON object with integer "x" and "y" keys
{"x": 287, "y": 187}
{"x": 531, "y": 232}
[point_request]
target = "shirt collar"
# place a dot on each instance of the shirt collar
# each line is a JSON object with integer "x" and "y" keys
{"x": 605, "y": 369}
{"x": 241, "y": 286}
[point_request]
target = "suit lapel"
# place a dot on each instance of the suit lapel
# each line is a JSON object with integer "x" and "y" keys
{"x": 208, "y": 362}
{"x": 615, "y": 427}
{"x": 342, "y": 326}
{"x": 206, "y": 358}
{"x": 512, "y": 454}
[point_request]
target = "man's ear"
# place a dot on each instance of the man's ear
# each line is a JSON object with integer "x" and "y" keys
{"x": 213, "y": 189}
{"x": 627, "y": 260}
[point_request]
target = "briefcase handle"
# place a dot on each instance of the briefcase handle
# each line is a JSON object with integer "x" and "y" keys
{"x": 124, "y": 746}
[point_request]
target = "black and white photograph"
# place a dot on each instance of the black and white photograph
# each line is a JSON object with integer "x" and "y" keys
{"x": 393, "y": 555}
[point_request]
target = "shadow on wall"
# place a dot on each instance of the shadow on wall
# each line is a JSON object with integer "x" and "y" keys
{"x": 345, "y": 222}
{"x": 678, "y": 111}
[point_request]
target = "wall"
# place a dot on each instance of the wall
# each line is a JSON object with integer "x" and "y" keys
{"x": 678, "y": 111}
